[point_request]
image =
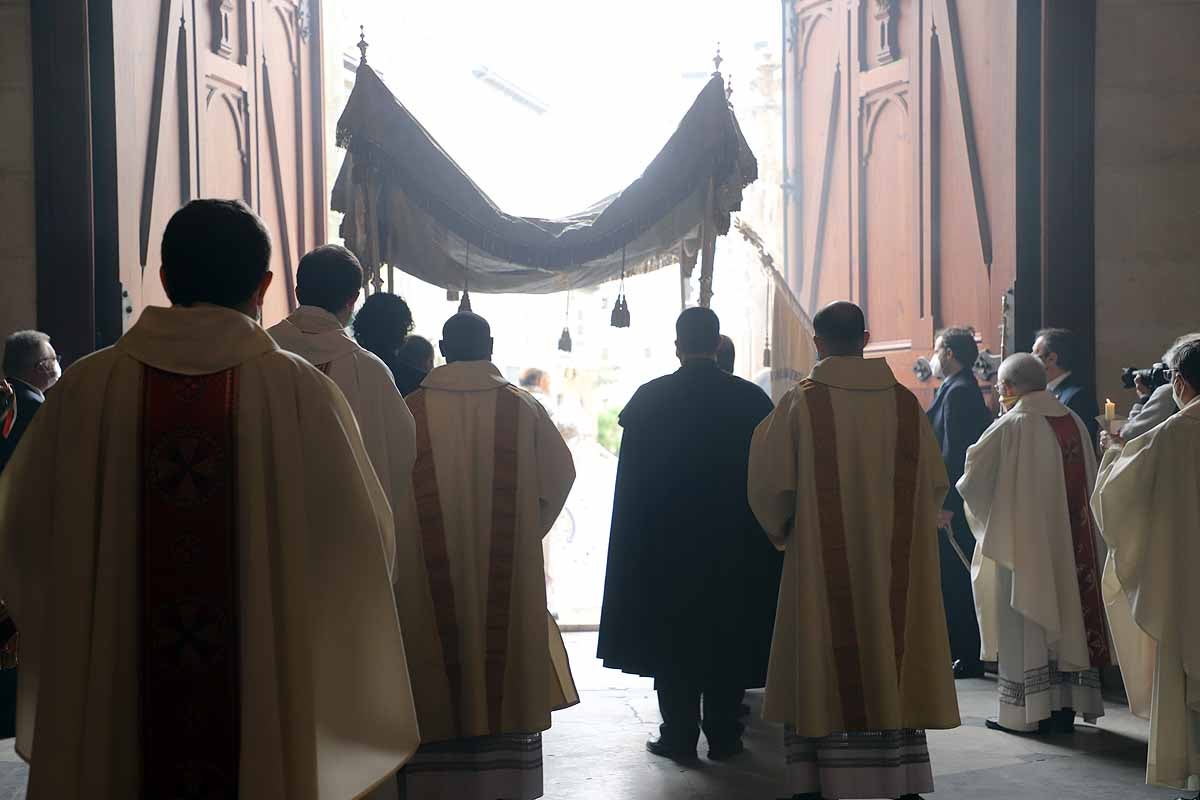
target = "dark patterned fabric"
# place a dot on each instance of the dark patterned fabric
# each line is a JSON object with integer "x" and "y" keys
{"x": 190, "y": 658}
{"x": 1084, "y": 536}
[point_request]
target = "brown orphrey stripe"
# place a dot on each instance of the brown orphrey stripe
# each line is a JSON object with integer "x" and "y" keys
{"x": 908, "y": 452}
{"x": 437, "y": 557}
{"x": 500, "y": 562}
{"x": 840, "y": 598}
{"x": 190, "y": 647}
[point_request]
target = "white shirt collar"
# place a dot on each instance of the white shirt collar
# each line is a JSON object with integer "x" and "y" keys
{"x": 1054, "y": 384}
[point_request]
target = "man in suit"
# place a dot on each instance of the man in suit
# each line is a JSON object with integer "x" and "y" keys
{"x": 31, "y": 367}
{"x": 1058, "y": 350}
{"x": 959, "y": 417}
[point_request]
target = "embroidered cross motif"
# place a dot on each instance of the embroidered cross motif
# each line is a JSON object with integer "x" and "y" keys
{"x": 186, "y": 468}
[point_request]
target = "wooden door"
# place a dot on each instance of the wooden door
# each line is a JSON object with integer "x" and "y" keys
{"x": 217, "y": 98}
{"x": 902, "y": 151}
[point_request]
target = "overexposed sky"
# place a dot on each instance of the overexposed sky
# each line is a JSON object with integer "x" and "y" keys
{"x": 613, "y": 75}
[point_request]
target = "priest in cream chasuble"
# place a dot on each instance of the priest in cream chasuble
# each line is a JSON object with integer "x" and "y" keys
{"x": 488, "y": 664}
{"x": 1037, "y": 567}
{"x": 1147, "y": 501}
{"x": 328, "y": 282}
{"x": 847, "y": 478}
{"x": 196, "y": 551}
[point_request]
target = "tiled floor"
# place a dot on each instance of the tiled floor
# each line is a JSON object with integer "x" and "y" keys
{"x": 595, "y": 752}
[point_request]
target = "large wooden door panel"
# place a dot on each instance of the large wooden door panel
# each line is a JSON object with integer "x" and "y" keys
{"x": 218, "y": 98}
{"x": 918, "y": 225}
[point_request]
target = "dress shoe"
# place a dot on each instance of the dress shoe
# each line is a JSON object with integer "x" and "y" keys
{"x": 1043, "y": 728}
{"x": 910, "y": 797}
{"x": 666, "y": 750}
{"x": 726, "y": 752}
{"x": 964, "y": 670}
{"x": 1063, "y": 721}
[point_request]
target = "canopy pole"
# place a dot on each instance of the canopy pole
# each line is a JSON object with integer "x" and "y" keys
{"x": 708, "y": 244}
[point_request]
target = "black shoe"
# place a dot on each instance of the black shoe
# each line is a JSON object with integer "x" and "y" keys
{"x": 666, "y": 750}
{"x": 727, "y": 752}
{"x": 964, "y": 670}
{"x": 1063, "y": 721}
{"x": 994, "y": 725}
{"x": 910, "y": 797}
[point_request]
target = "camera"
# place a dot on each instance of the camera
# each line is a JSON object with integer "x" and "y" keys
{"x": 1154, "y": 377}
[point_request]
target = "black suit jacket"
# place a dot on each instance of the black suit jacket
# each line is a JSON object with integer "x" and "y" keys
{"x": 1075, "y": 396}
{"x": 29, "y": 400}
{"x": 959, "y": 417}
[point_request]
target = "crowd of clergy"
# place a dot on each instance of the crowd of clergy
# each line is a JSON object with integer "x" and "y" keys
{"x": 302, "y": 562}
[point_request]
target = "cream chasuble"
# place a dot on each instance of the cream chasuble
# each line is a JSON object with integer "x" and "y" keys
{"x": 846, "y": 476}
{"x": 383, "y": 418}
{"x": 272, "y": 621}
{"x": 1147, "y": 502}
{"x": 1036, "y": 572}
{"x": 491, "y": 476}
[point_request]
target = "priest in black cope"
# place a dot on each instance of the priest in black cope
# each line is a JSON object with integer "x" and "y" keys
{"x": 692, "y": 581}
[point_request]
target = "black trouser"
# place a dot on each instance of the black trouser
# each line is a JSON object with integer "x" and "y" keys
{"x": 679, "y": 703}
{"x": 961, "y": 622}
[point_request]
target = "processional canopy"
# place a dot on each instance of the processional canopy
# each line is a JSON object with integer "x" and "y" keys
{"x": 407, "y": 204}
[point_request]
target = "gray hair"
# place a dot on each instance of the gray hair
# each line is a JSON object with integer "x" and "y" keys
{"x": 1172, "y": 354}
{"x": 1024, "y": 373}
{"x": 23, "y": 351}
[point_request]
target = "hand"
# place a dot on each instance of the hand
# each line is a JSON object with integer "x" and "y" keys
{"x": 1139, "y": 385}
{"x": 1110, "y": 440}
{"x": 945, "y": 519}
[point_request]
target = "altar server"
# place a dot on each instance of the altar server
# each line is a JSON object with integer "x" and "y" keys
{"x": 847, "y": 477}
{"x": 1037, "y": 567}
{"x": 195, "y": 550}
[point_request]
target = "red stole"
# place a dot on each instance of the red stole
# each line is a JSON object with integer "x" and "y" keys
{"x": 500, "y": 560}
{"x": 838, "y": 586}
{"x": 1083, "y": 534}
{"x": 190, "y": 647}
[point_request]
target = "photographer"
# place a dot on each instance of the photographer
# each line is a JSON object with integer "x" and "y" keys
{"x": 1155, "y": 403}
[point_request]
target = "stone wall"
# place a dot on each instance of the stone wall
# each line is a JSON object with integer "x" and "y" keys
{"x": 18, "y": 284}
{"x": 1147, "y": 182}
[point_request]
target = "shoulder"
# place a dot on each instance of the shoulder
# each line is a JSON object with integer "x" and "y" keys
{"x": 282, "y": 368}
{"x": 373, "y": 366}
{"x": 648, "y": 398}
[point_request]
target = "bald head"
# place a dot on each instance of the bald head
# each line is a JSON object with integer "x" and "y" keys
{"x": 466, "y": 337}
{"x": 841, "y": 330}
{"x": 1021, "y": 374}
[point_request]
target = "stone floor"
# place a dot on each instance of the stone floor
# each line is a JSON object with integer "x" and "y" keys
{"x": 595, "y": 752}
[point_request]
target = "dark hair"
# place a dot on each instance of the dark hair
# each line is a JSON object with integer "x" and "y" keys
{"x": 417, "y": 351}
{"x": 698, "y": 332}
{"x": 726, "y": 354}
{"x": 328, "y": 277}
{"x": 961, "y": 342}
{"x": 382, "y": 324}
{"x": 1064, "y": 344}
{"x": 532, "y": 378}
{"x": 1185, "y": 359}
{"x": 466, "y": 337}
{"x": 842, "y": 326}
{"x": 214, "y": 251}
{"x": 22, "y": 352}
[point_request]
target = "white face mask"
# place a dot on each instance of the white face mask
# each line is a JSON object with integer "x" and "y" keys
{"x": 1176, "y": 394}
{"x": 935, "y": 364}
{"x": 55, "y": 373}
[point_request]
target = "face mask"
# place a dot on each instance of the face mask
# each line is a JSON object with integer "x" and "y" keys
{"x": 935, "y": 364}
{"x": 1175, "y": 393}
{"x": 1008, "y": 401}
{"x": 55, "y": 372}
